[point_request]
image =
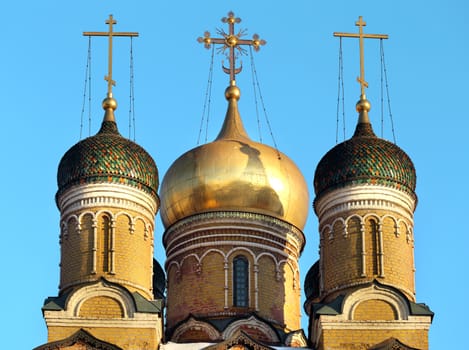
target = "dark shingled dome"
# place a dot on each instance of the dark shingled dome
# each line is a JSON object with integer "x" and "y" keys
{"x": 159, "y": 280}
{"x": 108, "y": 157}
{"x": 311, "y": 284}
{"x": 365, "y": 159}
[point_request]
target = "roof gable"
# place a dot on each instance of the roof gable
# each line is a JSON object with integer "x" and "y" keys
{"x": 239, "y": 340}
{"x": 80, "y": 337}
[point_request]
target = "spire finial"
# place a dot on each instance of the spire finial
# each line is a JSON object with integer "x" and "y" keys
{"x": 232, "y": 42}
{"x": 110, "y": 82}
{"x": 360, "y": 24}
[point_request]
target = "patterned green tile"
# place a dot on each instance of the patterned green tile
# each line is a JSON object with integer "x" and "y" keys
{"x": 108, "y": 157}
{"x": 365, "y": 159}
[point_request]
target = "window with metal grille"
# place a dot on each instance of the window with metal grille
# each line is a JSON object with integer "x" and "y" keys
{"x": 240, "y": 282}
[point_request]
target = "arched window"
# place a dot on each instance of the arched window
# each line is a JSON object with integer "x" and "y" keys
{"x": 372, "y": 247}
{"x": 240, "y": 282}
{"x": 105, "y": 242}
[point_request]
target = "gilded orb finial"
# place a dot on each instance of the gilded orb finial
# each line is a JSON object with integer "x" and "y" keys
{"x": 363, "y": 106}
{"x": 232, "y": 92}
{"x": 110, "y": 103}
{"x": 109, "y": 106}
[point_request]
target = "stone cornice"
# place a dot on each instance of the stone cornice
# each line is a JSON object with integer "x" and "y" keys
{"x": 406, "y": 291}
{"x": 414, "y": 322}
{"x": 205, "y": 219}
{"x": 230, "y": 236}
{"x": 369, "y": 197}
{"x": 205, "y": 230}
{"x": 235, "y": 220}
{"x": 93, "y": 278}
{"x": 247, "y": 245}
{"x": 147, "y": 320}
{"x": 111, "y": 195}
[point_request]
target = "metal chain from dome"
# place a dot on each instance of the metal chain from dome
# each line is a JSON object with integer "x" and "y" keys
{"x": 340, "y": 93}
{"x": 253, "y": 73}
{"x": 131, "y": 92}
{"x": 383, "y": 69}
{"x": 208, "y": 100}
{"x": 87, "y": 85}
{"x": 262, "y": 103}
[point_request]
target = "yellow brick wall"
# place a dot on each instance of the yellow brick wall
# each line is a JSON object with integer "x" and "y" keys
{"x": 399, "y": 259}
{"x": 272, "y": 297}
{"x": 342, "y": 258}
{"x": 101, "y": 307}
{"x": 279, "y": 298}
{"x": 76, "y": 249}
{"x": 201, "y": 289}
{"x": 374, "y": 310}
{"x": 194, "y": 290}
{"x": 199, "y": 270}
{"x": 133, "y": 252}
{"x": 291, "y": 306}
{"x": 126, "y": 338}
{"x": 356, "y": 339}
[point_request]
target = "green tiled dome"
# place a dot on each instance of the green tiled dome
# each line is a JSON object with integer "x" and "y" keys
{"x": 108, "y": 157}
{"x": 365, "y": 159}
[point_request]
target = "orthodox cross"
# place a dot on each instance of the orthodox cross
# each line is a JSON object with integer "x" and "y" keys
{"x": 111, "y": 21}
{"x": 360, "y": 24}
{"x": 232, "y": 42}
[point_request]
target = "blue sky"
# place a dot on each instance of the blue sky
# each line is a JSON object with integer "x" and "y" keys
{"x": 42, "y": 69}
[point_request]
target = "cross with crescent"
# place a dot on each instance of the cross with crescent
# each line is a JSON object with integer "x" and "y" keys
{"x": 360, "y": 24}
{"x": 111, "y": 21}
{"x": 232, "y": 42}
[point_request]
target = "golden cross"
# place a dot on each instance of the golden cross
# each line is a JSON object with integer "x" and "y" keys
{"x": 111, "y": 21}
{"x": 360, "y": 24}
{"x": 232, "y": 42}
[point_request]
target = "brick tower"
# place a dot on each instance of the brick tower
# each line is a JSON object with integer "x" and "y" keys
{"x": 233, "y": 210}
{"x": 361, "y": 292}
{"x": 111, "y": 290}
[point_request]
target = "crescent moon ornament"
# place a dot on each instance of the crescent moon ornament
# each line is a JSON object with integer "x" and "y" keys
{"x": 236, "y": 70}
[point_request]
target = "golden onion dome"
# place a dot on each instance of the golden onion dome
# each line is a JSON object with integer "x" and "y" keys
{"x": 234, "y": 173}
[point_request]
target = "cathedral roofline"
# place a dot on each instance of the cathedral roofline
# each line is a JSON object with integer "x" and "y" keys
{"x": 335, "y": 306}
{"x": 222, "y": 323}
{"x": 81, "y": 336}
{"x": 141, "y": 304}
{"x": 390, "y": 344}
{"x": 239, "y": 338}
